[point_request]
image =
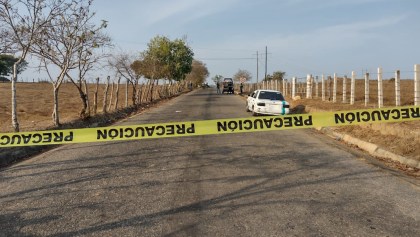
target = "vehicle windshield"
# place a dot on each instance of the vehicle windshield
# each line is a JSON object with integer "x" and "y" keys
{"x": 270, "y": 95}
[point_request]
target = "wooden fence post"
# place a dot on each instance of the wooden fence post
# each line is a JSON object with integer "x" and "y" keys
{"x": 323, "y": 87}
{"x": 112, "y": 94}
{"x": 104, "y": 107}
{"x": 397, "y": 88}
{"x": 293, "y": 87}
{"x": 344, "y": 88}
{"x": 95, "y": 97}
{"x": 380, "y": 89}
{"x": 335, "y": 88}
{"x": 117, "y": 93}
{"x": 352, "y": 87}
{"x": 329, "y": 88}
{"x": 417, "y": 84}
{"x": 126, "y": 93}
{"x": 308, "y": 87}
{"x": 366, "y": 89}
{"x": 286, "y": 87}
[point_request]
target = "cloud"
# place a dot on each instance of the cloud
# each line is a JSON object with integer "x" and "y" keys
{"x": 183, "y": 11}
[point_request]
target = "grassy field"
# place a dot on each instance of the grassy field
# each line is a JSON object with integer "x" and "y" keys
{"x": 35, "y": 104}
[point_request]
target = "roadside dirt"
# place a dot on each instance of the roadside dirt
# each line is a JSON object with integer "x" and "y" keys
{"x": 399, "y": 138}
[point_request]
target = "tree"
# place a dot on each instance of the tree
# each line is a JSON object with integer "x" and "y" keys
{"x": 22, "y": 23}
{"x": 7, "y": 62}
{"x": 87, "y": 59}
{"x": 198, "y": 74}
{"x": 181, "y": 60}
{"x": 122, "y": 64}
{"x": 165, "y": 59}
{"x": 217, "y": 79}
{"x": 277, "y": 75}
{"x": 62, "y": 40}
{"x": 242, "y": 74}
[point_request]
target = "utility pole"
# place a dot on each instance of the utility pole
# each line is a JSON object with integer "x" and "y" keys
{"x": 265, "y": 75}
{"x": 257, "y": 67}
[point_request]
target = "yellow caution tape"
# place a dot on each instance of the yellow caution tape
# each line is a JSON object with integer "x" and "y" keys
{"x": 210, "y": 127}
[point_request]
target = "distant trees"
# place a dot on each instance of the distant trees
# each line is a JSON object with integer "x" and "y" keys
{"x": 217, "y": 79}
{"x": 198, "y": 74}
{"x": 242, "y": 74}
{"x": 122, "y": 64}
{"x": 165, "y": 59}
{"x": 7, "y": 62}
{"x": 277, "y": 76}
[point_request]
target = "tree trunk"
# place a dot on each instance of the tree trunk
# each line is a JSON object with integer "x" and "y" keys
{"x": 87, "y": 98}
{"x": 55, "y": 115}
{"x": 105, "y": 96}
{"x": 147, "y": 90}
{"x": 126, "y": 93}
{"x": 15, "y": 122}
{"x": 139, "y": 94}
{"x": 95, "y": 97}
{"x": 83, "y": 112}
{"x": 110, "y": 98}
{"x": 117, "y": 93}
{"x": 133, "y": 96}
{"x": 151, "y": 90}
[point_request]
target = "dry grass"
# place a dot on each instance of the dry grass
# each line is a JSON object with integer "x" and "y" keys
{"x": 35, "y": 104}
{"x": 406, "y": 92}
{"x": 399, "y": 138}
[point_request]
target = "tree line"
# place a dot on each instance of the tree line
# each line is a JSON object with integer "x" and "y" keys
{"x": 245, "y": 75}
{"x": 63, "y": 37}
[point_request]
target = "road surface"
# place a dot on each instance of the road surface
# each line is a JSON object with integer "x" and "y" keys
{"x": 282, "y": 183}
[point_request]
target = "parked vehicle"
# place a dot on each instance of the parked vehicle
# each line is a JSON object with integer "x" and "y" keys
{"x": 228, "y": 85}
{"x": 269, "y": 102}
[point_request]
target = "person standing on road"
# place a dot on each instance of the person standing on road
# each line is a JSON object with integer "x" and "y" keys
{"x": 218, "y": 87}
{"x": 241, "y": 87}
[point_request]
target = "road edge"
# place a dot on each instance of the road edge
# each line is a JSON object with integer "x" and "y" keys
{"x": 369, "y": 147}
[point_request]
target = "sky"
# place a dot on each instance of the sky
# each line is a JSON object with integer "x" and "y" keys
{"x": 302, "y": 36}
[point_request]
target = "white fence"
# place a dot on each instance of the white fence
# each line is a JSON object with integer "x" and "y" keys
{"x": 364, "y": 90}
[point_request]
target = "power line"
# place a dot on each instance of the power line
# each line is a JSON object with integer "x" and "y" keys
{"x": 220, "y": 59}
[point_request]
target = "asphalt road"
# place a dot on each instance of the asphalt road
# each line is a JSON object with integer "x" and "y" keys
{"x": 283, "y": 183}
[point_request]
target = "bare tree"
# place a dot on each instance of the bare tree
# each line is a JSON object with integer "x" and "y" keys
{"x": 88, "y": 60}
{"x": 242, "y": 74}
{"x": 121, "y": 63}
{"x": 63, "y": 40}
{"x": 95, "y": 97}
{"x": 22, "y": 23}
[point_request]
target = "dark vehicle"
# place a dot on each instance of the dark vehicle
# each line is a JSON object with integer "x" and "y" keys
{"x": 227, "y": 85}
